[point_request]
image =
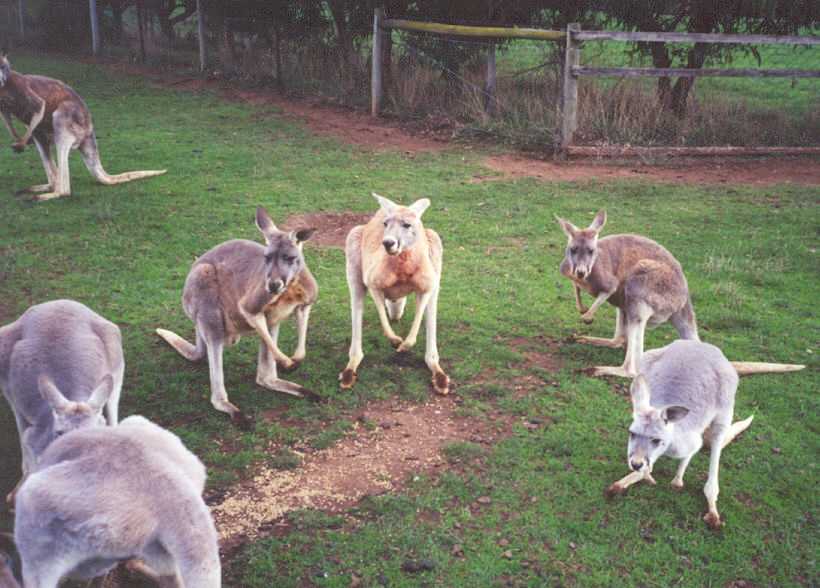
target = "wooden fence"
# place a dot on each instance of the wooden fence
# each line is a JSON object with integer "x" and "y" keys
{"x": 574, "y": 38}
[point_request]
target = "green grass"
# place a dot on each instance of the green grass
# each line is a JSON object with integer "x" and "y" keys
{"x": 752, "y": 268}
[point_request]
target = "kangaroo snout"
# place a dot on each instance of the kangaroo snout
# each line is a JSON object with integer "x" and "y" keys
{"x": 636, "y": 466}
{"x": 390, "y": 245}
{"x": 580, "y": 273}
{"x": 275, "y": 286}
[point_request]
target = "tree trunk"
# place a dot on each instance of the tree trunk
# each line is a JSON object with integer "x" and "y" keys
{"x": 343, "y": 39}
{"x": 661, "y": 59}
{"x": 681, "y": 89}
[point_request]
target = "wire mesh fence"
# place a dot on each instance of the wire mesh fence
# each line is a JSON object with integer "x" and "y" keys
{"x": 443, "y": 80}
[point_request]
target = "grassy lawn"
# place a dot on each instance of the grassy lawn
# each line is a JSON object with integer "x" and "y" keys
{"x": 751, "y": 259}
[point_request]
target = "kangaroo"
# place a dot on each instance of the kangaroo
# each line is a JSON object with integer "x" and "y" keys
{"x": 54, "y": 114}
{"x": 390, "y": 257}
{"x": 103, "y": 496}
{"x": 644, "y": 282}
{"x": 239, "y": 287}
{"x": 60, "y": 365}
{"x": 684, "y": 395}
{"x": 637, "y": 276}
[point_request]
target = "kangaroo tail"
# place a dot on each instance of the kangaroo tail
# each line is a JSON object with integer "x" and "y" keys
{"x": 187, "y": 350}
{"x": 91, "y": 157}
{"x": 736, "y": 429}
{"x": 748, "y": 368}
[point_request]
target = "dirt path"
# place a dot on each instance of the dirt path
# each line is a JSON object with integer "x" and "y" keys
{"x": 391, "y": 440}
{"x": 364, "y": 131}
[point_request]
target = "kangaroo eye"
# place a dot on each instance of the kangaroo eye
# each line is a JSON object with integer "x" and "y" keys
{"x": 590, "y": 251}
{"x": 656, "y": 442}
{"x": 573, "y": 250}
{"x": 631, "y": 435}
{"x": 269, "y": 257}
{"x": 385, "y": 223}
{"x": 406, "y": 225}
{"x": 289, "y": 259}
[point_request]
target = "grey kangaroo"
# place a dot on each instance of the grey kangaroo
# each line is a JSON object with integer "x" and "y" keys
{"x": 106, "y": 495}
{"x": 684, "y": 395}
{"x": 60, "y": 364}
{"x": 54, "y": 114}
{"x": 241, "y": 287}
{"x": 644, "y": 282}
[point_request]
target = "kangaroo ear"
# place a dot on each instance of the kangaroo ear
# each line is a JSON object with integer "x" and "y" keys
{"x": 302, "y": 235}
{"x": 566, "y": 226}
{"x": 50, "y": 393}
{"x": 386, "y": 204}
{"x": 599, "y": 221}
{"x": 672, "y": 414}
{"x": 419, "y": 206}
{"x": 101, "y": 393}
{"x": 265, "y": 223}
{"x": 640, "y": 394}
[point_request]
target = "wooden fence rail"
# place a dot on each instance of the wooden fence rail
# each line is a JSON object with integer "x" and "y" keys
{"x": 631, "y": 37}
{"x": 574, "y": 37}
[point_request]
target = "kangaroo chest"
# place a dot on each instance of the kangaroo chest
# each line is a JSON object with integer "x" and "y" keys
{"x": 400, "y": 275}
{"x": 283, "y": 306}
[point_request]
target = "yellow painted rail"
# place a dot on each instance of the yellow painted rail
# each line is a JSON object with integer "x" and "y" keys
{"x": 468, "y": 31}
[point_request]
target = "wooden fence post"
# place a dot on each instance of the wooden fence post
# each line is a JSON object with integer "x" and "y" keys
{"x": 200, "y": 31}
{"x": 569, "y": 90}
{"x": 95, "y": 27}
{"x": 489, "y": 86}
{"x": 376, "y": 88}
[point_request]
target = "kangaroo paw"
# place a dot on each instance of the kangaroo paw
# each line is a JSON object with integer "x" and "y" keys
{"x": 441, "y": 383}
{"x": 347, "y": 378}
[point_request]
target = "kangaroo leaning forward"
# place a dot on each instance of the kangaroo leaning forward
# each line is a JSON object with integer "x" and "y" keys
{"x": 390, "y": 257}
{"x": 240, "y": 287}
{"x": 644, "y": 282}
{"x": 55, "y": 115}
{"x": 106, "y": 495}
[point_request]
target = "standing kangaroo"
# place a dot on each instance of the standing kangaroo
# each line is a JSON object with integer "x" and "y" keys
{"x": 644, "y": 282}
{"x": 685, "y": 394}
{"x": 55, "y": 115}
{"x": 239, "y": 287}
{"x": 103, "y": 496}
{"x": 60, "y": 364}
{"x": 390, "y": 257}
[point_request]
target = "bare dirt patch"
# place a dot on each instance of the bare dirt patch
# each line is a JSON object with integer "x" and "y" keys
{"x": 804, "y": 171}
{"x": 390, "y": 441}
{"x": 540, "y": 352}
{"x": 331, "y": 227}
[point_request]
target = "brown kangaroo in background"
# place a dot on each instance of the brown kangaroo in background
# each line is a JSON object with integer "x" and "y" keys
{"x": 54, "y": 114}
{"x": 644, "y": 282}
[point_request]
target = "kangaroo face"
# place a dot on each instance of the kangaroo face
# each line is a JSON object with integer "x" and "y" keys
{"x": 582, "y": 245}
{"x": 283, "y": 252}
{"x": 401, "y": 230}
{"x": 402, "y": 224}
{"x": 5, "y": 69}
{"x": 652, "y": 430}
{"x": 283, "y": 262}
{"x": 76, "y": 415}
{"x": 69, "y": 415}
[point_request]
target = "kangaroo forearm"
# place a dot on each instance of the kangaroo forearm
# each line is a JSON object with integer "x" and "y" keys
{"x": 9, "y": 125}
{"x": 578, "y": 304}
{"x": 602, "y": 297}
{"x": 34, "y": 123}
